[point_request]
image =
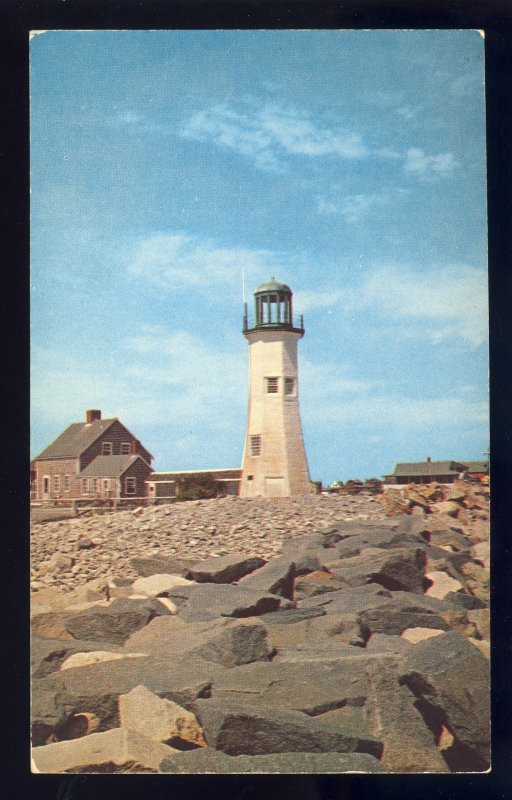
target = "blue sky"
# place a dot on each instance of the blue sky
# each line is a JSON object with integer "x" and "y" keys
{"x": 348, "y": 164}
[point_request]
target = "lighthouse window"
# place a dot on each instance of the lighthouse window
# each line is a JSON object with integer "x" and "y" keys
{"x": 255, "y": 445}
{"x": 272, "y": 385}
{"x": 289, "y": 386}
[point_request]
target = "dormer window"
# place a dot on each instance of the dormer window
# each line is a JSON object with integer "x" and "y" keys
{"x": 106, "y": 448}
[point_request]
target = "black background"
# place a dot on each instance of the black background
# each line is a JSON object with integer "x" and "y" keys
{"x": 17, "y": 17}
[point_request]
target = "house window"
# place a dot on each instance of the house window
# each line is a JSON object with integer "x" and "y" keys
{"x": 56, "y": 483}
{"x": 67, "y": 483}
{"x": 272, "y": 385}
{"x": 46, "y": 484}
{"x": 106, "y": 448}
{"x": 255, "y": 445}
{"x": 130, "y": 485}
{"x": 106, "y": 487}
{"x": 95, "y": 485}
{"x": 126, "y": 448}
{"x": 289, "y": 386}
{"x": 250, "y": 477}
{"x": 85, "y": 485}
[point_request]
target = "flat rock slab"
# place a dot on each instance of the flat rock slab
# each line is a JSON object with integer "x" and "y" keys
{"x": 313, "y": 688}
{"x": 450, "y": 678}
{"x": 48, "y": 654}
{"x": 153, "y": 565}
{"x": 351, "y": 600}
{"x": 224, "y": 641}
{"x": 395, "y": 569}
{"x": 210, "y": 601}
{"x": 159, "y": 584}
{"x": 311, "y": 585}
{"x": 215, "y": 762}
{"x": 96, "y": 688}
{"x": 225, "y": 569}
{"x": 115, "y": 622}
{"x": 389, "y": 620}
{"x": 342, "y": 628}
{"x": 249, "y": 729}
{"x": 276, "y": 577}
{"x": 118, "y": 750}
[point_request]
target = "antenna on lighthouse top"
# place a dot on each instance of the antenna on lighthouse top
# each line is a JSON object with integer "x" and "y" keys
{"x": 243, "y": 285}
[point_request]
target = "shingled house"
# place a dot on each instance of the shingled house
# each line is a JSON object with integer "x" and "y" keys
{"x": 429, "y": 471}
{"x": 91, "y": 459}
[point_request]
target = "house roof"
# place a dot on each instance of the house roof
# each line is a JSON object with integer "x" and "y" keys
{"x": 477, "y": 466}
{"x": 76, "y": 439}
{"x": 109, "y": 466}
{"x": 428, "y": 468}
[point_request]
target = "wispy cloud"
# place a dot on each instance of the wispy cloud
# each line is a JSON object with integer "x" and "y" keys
{"x": 451, "y": 299}
{"x": 267, "y": 133}
{"x": 180, "y": 260}
{"x": 426, "y": 167}
{"x": 355, "y": 207}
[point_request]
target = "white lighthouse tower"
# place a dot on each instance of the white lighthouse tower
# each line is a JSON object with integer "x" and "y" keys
{"x": 274, "y": 462}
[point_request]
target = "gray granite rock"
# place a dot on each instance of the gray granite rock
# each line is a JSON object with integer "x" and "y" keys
{"x": 254, "y": 729}
{"x": 225, "y": 569}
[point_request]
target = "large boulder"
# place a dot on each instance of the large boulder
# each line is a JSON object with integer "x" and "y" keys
{"x": 118, "y": 750}
{"x": 341, "y": 628}
{"x": 96, "y": 688}
{"x": 409, "y": 745}
{"x": 333, "y": 683}
{"x": 217, "y": 762}
{"x": 246, "y": 728}
{"x": 163, "y": 565}
{"x": 224, "y": 641}
{"x": 276, "y": 577}
{"x": 114, "y": 622}
{"x": 351, "y": 600}
{"x": 225, "y": 569}
{"x": 395, "y": 569}
{"x": 210, "y": 601}
{"x": 159, "y": 719}
{"x": 450, "y": 679}
{"x": 392, "y": 621}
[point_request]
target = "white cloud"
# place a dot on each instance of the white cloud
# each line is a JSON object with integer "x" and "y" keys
{"x": 355, "y": 207}
{"x": 312, "y": 300}
{"x": 266, "y": 134}
{"x": 451, "y": 299}
{"x": 428, "y": 168}
{"x": 388, "y": 411}
{"x": 179, "y": 261}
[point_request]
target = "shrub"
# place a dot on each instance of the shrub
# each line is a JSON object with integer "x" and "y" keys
{"x": 198, "y": 487}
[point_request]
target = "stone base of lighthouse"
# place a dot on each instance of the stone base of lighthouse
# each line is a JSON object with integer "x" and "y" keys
{"x": 274, "y": 462}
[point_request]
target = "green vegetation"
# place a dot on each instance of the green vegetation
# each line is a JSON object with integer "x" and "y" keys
{"x": 198, "y": 487}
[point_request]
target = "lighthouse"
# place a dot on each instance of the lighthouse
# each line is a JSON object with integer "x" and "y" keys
{"x": 274, "y": 461}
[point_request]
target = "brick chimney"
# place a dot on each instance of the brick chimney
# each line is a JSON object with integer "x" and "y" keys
{"x": 91, "y": 415}
{"x": 428, "y": 458}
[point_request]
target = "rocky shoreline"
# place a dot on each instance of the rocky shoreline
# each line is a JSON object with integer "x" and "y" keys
{"x": 318, "y": 634}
